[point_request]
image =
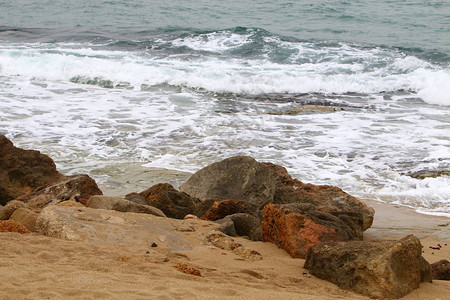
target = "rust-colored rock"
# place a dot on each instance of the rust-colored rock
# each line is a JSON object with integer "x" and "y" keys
{"x": 12, "y": 226}
{"x": 378, "y": 269}
{"x": 188, "y": 269}
{"x": 68, "y": 188}
{"x": 221, "y": 209}
{"x": 22, "y": 171}
{"x": 297, "y": 226}
{"x": 173, "y": 203}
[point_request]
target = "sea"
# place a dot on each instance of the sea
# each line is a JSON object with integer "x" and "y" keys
{"x": 182, "y": 84}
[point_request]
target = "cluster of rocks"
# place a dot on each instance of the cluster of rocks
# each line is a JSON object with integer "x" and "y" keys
{"x": 260, "y": 201}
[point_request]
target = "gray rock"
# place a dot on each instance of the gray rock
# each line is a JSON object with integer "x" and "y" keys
{"x": 122, "y": 205}
{"x": 10, "y": 208}
{"x": 112, "y": 227}
{"x": 378, "y": 269}
{"x": 441, "y": 270}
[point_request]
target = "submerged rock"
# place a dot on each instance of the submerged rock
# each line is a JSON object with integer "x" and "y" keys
{"x": 429, "y": 174}
{"x": 378, "y": 269}
{"x": 308, "y": 109}
{"x": 23, "y": 171}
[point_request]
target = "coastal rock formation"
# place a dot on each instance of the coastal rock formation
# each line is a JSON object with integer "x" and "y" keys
{"x": 12, "y": 226}
{"x": 221, "y": 209}
{"x": 173, "y": 203}
{"x": 297, "y": 226}
{"x": 22, "y": 171}
{"x": 378, "y": 269}
{"x": 104, "y": 202}
{"x": 240, "y": 224}
{"x": 25, "y": 217}
{"x": 10, "y": 208}
{"x": 441, "y": 270}
{"x": 67, "y": 188}
{"x": 112, "y": 227}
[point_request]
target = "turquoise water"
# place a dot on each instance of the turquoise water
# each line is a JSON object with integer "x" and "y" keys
{"x": 181, "y": 84}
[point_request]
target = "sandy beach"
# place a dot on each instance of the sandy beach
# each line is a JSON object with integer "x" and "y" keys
{"x": 39, "y": 267}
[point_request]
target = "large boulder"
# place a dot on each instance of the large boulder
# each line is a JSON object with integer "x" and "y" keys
{"x": 297, "y": 226}
{"x": 67, "y": 188}
{"x": 112, "y": 227}
{"x": 441, "y": 270}
{"x": 243, "y": 178}
{"x": 104, "y": 202}
{"x": 173, "y": 203}
{"x": 22, "y": 171}
{"x": 378, "y": 269}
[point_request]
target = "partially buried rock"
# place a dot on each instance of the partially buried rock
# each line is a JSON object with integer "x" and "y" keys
{"x": 173, "y": 203}
{"x": 26, "y": 217}
{"x": 296, "y": 227}
{"x": 240, "y": 224}
{"x": 441, "y": 270}
{"x": 68, "y": 188}
{"x": 104, "y": 202}
{"x": 12, "y": 226}
{"x": 378, "y": 269}
{"x": 22, "y": 171}
{"x": 10, "y": 208}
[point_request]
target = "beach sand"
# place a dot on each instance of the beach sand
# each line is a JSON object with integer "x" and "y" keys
{"x": 38, "y": 267}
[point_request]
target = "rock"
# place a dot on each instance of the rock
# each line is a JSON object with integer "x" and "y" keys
{"x": 297, "y": 226}
{"x": 226, "y": 226}
{"x": 173, "y": 203}
{"x": 188, "y": 269}
{"x": 441, "y": 270}
{"x": 221, "y": 209}
{"x": 429, "y": 174}
{"x": 425, "y": 270}
{"x": 255, "y": 234}
{"x": 243, "y": 178}
{"x": 238, "y": 178}
{"x": 10, "y": 208}
{"x": 136, "y": 198}
{"x": 12, "y": 226}
{"x": 112, "y": 227}
{"x": 22, "y": 171}
{"x": 241, "y": 224}
{"x": 305, "y": 109}
{"x": 70, "y": 203}
{"x": 68, "y": 188}
{"x": 378, "y": 269}
{"x": 104, "y": 202}
{"x": 220, "y": 240}
{"x": 25, "y": 217}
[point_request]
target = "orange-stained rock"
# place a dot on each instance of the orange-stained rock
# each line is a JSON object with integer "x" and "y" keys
{"x": 296, "y": 227}
{"x": 12, "y": 226}
{"x": 221, "y": 209}
{"x": 22, "y": 171}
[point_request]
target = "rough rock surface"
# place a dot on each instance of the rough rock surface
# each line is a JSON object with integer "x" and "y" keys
{"x": 12, "y": 226}
{"x": 239, "y": 224}
{"x": 26, "y": 217}
{"x": 70, "y": 203}
{"x": 221, "y": 209}
{"x": 441, "y": 270}
{"x": 220, "y": 240}
{"x": 22, "y": 171}
{"x": 297, "y": 226}
{"x": 68, "y": 188}
{"x": 378, "y": 269}
{"x": 243, "y": 178}
{"x": 104, "y": 202}
{"x": 173, "y": 203}
{"x": 112, "y": 227}
{"x": 10, "y": 208}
